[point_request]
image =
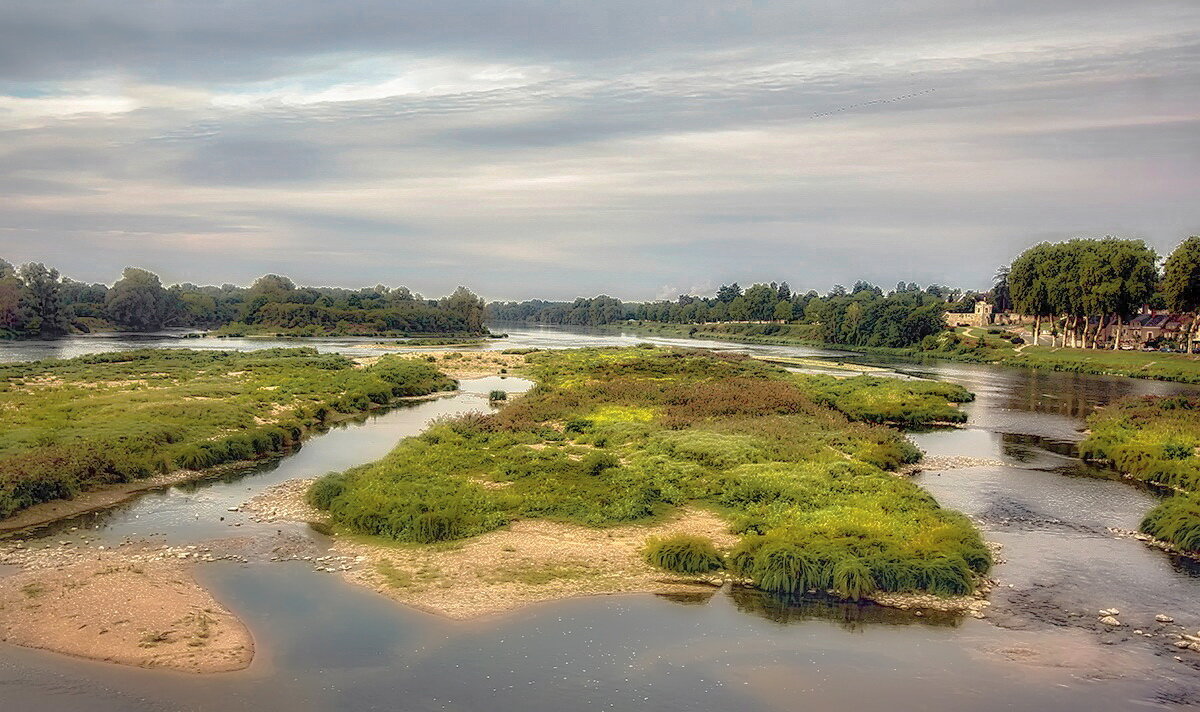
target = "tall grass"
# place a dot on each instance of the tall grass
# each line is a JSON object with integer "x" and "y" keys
{"x": 613, "y": 436}
{"x": 75, "y": 424}
{"x": 1177, "y": 520}
{"x": 686, "y": 554}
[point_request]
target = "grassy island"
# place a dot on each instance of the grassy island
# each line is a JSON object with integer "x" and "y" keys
{"x": 73, "y": 425}
{"x": 1156, "y": 440}
{"x": 620, "y": 436}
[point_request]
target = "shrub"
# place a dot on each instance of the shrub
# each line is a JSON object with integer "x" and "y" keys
{"x": 322, "y": 492}
{"x": 686, "y": 554}
{"x": 497, "y": 395}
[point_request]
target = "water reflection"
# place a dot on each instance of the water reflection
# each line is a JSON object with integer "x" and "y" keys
{"x": 850, "y": 616}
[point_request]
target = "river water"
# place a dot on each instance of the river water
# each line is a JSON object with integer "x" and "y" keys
{"x": 326, "y": 645}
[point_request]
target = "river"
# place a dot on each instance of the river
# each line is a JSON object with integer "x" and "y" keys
{"x": 327, "y": 645}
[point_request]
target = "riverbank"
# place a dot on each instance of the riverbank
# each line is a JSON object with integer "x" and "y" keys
{"x": 1182, "y": 368}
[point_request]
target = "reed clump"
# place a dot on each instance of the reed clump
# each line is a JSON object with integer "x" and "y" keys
{"x": 687, "y": 554}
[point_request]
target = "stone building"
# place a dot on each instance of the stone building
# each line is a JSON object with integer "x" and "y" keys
{"x": 982, "y": 316}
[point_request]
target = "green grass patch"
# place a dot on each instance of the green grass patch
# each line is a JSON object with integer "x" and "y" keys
{"x": 75, "y": 424}
{"x": 874, "y": 399}
{"x": 618, "y": 436}
{"x": 1155, "y": 439}
{"x": 1152, "y": 439}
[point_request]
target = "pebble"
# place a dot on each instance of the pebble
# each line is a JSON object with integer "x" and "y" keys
{"x": 1163, "y": 618}
{"x": 1110, "y": 621}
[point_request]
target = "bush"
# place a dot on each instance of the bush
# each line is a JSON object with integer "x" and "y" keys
{"x": 497, "y": 395}
{"x": 325, "y": 490}
{"x": 686, "y": 554}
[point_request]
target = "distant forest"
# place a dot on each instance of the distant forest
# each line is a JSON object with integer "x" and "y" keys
{"x": 864, "y": 315}
{"x": 37, "y": 302}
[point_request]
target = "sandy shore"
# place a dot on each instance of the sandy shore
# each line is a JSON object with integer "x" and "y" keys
{"x": 528, "y": 562}
{"x": 150, "y": 614}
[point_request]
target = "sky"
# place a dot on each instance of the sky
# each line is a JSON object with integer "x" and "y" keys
{"x": 555, "y": 149}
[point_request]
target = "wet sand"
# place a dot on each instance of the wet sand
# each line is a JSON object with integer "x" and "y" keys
{"x": 148, "y": 614}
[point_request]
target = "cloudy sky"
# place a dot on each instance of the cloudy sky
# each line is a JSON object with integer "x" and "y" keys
{"x": 556, "y": 148}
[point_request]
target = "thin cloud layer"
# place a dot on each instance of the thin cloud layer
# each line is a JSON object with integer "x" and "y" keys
{"x": 639, "y": 149}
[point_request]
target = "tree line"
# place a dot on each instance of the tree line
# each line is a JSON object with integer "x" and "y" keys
{"x": 1081, "y": 287}
{"x": 37, "y": 302}
{"x": 864, "y": 315}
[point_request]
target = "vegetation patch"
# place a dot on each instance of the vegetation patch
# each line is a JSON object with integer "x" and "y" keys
{"x": 791, "y": 475}
{"x": 1155, "y": 440}
{"x": 874, "y": 399}
{"x": 73, "y": 425}
{"x": 686, "y": 554}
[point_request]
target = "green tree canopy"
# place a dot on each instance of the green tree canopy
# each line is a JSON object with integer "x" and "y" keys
{"x": 43, "y": 311}
{"x": 138, "y": 301}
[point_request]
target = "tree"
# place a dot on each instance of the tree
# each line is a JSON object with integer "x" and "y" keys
{"x": 1001, "y": 298}
{"x": 274, "y": 287}
{"x": 739, "y": 310}
{"x": 469, "y": 307}
{"x": 783, "y": 311}
{"x": 43, "y": 311}
{"x": 1181, "y": 284}
{"x": 726, "y": 294}
{"x": 138, "y": 301}
{"x": 1030, "y": 293}
{"x": 785, "y": 292}
{"x": 760, "y": 301}
{"x": 10, "y": 304}
{"x": 6, "y": 269}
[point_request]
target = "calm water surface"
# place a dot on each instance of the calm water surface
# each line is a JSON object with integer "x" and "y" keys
{"x": 326, "y": 645}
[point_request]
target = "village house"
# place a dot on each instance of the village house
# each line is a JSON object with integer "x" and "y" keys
{"x": 1153, "y": 328}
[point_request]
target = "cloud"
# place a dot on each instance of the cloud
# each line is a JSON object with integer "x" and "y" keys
{"x": 535, "y": 149}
